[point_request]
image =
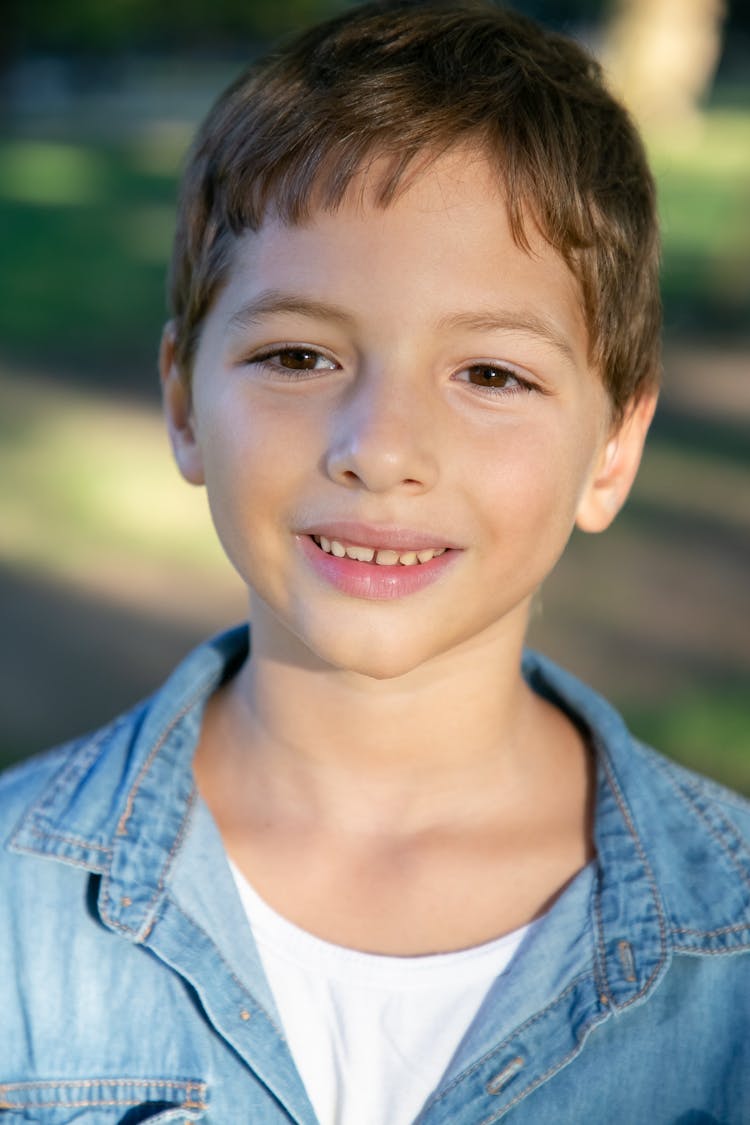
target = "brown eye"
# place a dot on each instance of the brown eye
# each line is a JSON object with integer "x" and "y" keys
{"x": 483, "y": 375}
{"x": 298, "y": 359}
{"x": 292, "y": 362}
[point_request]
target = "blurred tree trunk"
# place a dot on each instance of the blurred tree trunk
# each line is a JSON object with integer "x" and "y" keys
{"x": 661, "y": 55}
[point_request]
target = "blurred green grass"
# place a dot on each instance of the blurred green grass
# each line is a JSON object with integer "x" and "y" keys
{"x": 88, "y": 482}
{"x": 86, "y": 231}
{"x": 703, "y": 175}
{"x": 706, "y": 731}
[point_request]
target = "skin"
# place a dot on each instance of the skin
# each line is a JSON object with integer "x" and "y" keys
{"x": 393, "y": 743}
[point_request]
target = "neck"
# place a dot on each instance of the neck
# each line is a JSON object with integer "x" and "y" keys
{"x": 431, "y": 747}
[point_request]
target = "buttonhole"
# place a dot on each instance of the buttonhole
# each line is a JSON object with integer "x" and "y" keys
{"x": 625, "y": 953}
{"x": 495, "y": 1085}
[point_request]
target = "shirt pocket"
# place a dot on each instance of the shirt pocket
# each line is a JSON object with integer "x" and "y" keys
{"x": 103, "y": 1101}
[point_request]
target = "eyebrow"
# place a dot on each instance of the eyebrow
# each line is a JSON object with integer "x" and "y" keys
{"x": 275, "y": 301}
{"x": 517, "y": 320}
{"x": 522, "y": 320}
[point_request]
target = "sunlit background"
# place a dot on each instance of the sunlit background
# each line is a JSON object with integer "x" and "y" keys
{"x": 109, "y": 571}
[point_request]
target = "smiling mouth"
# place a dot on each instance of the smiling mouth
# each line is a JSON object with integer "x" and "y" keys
{"x": 378, "y": 556}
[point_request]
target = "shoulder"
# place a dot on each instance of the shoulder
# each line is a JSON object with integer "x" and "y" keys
{"x": 674, "y": 806}
{"x": 65, "y": 795}
{"x": 21, "y": 785}
{"x": 695, "y": 790}
{"x": 661, "y": 826}
{"x": 633, "y": 766}
{"x": 694, "y": 839}
{"x": 67, "y": 803}
{"x": 696, "y": 834}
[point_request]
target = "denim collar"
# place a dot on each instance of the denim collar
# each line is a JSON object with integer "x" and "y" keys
{"x": 671, "y": 871}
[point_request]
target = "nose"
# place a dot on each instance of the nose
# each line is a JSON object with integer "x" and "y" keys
{"x": 383, "y": 437}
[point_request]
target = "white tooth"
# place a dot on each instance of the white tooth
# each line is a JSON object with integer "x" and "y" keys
{"x": 325, "y": 544}
{"x": 337, "y": 549}
{"x": 361, "y": 554}
{"x": 386, "y": 558}
{"x": 425, "y": 556}
{"x": 408, "y": 559}
{"x": 441, "y": 551}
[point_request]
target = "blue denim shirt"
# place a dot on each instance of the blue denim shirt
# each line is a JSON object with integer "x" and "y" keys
{"x": 131, "y": 989}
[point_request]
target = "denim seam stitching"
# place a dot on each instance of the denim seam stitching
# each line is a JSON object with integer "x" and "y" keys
{"x": 37, "y": 812}
{"x": 122, "y": 823}
{"x": 600, "y": 952}
{"x": 77, "y": 841}
{"x": 651, "y": 881}
{"x": 504, "y": 1045}
{"x": 128, "y": 811}
{"x": 190, "y": 1089}
{"x": 690, "y": 949}
{"x": 726, "y": 826}
{"x": 176, "y": 844}
{"x": 547, "y": 1074}
{"x": 56, "y": 1083}
{"x": 253, "y": 1002}
{"x": 81, "y": 754}
{"x": 94, "y": 869}
{"x": 150, "y": 906}
{"x": 93, "y": 1104}
{"x": 711, "y": 933}
{"x": 713, "y": 790}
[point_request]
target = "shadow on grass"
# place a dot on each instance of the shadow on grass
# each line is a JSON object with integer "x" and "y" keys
{"x": 693, "y": 532}
{"x": 71, "y": 662}
{"x": 692, "y": 433}
{"x": 697, "y": 711}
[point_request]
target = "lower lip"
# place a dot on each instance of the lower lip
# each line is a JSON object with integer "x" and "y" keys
{"x": 370, "y": 580}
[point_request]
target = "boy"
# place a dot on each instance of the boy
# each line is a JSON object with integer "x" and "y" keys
{"x": 415, "y": 340}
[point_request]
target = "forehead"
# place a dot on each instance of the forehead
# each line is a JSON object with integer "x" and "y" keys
{"x": 442, "y": 246}
{"x": 442, "y": 203}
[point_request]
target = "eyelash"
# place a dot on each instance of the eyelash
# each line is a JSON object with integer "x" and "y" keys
{"x": 524, "y": 386}
{"x": 262, "y": 360}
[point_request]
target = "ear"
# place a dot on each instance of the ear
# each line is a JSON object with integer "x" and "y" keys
{"x": 615, "y": 471}
{"x": 178, "y": 409}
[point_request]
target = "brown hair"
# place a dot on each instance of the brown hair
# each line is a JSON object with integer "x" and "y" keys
{"x": 406, "y": 79}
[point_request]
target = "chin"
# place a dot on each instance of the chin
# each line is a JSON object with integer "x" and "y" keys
{"x": 383, "y": 666}
{"x": 384, "y": 660}
{"x": 385, "y": 670}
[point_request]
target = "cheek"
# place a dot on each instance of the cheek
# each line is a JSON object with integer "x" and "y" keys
{"x": 256, "y": 462}
{"x": 241, "y": 447}
{"x": 241, "y": 465}
{"x": 530, "y": 486}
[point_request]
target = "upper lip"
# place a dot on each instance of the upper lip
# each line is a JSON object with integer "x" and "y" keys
{"x": 387, "y": 536}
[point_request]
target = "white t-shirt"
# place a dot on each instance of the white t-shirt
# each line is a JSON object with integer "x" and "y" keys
{"x": 370, "y": 1035}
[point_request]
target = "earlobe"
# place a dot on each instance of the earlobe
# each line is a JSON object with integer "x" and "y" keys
{"x": 613, "y": 476}
{"x": 178, "y": 409}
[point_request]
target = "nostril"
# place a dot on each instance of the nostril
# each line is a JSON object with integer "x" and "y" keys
{"x": 377, "y": 466}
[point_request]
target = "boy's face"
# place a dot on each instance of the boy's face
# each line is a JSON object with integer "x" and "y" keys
{"x": 399, "y": 378}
